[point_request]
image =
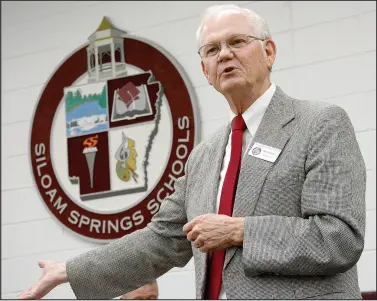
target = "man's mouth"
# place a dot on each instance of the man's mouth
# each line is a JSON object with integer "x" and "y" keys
{"x": 228, "y": 70}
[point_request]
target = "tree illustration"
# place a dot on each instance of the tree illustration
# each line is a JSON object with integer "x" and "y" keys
{"x": 76, "y": 99}
{"x": 78, "y": 96}
{"x": 102, "y": 98}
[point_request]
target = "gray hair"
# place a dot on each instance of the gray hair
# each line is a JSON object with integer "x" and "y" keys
{"x": 260, "y": 26}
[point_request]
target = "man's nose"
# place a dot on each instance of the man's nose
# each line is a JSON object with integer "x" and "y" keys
{"x": 225, "y": 51}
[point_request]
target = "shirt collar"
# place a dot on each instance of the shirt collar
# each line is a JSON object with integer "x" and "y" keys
{"x": 254, "y": 114}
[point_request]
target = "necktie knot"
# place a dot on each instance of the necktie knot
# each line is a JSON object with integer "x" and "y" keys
{"x": 238, "y": 123}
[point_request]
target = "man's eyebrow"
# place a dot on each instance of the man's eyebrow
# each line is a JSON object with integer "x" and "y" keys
{"x": 227, "y": 37}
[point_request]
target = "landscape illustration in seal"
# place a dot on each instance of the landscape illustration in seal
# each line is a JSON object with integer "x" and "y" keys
{"x": 111, "y": 134}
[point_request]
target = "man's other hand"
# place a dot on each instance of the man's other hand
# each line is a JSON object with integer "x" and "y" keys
{"x": 212, "y": 232}
{"x": 146, "y": 292}
{"x": 54, "y": 273}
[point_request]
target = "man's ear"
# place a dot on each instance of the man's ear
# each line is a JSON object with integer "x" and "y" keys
{"x": 205, "y": 72}
{"x": 270, "y": 52}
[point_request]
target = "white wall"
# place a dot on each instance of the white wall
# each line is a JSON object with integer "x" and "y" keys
{"x": 325, "y": 51}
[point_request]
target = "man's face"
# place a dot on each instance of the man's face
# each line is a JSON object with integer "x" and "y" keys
{"x": 240, "y": 68}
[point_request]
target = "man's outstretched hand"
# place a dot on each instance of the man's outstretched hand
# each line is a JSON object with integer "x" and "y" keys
{"x": 54, "y": 273}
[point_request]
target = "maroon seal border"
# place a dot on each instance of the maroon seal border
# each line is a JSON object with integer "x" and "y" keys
{"x": 146, "y": 57}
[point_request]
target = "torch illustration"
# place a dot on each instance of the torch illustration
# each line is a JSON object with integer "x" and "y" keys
{"x": 90, "y": 154}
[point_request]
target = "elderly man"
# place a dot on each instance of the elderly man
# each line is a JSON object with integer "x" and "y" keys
{"x": 271, "y": 206}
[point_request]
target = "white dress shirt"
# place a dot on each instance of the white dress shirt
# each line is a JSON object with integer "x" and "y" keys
{"x": 252, "y": 117}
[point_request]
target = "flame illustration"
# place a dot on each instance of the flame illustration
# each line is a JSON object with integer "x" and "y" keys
{"x": 91, "y": 141}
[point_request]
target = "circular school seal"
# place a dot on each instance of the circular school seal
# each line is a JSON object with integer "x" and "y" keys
{"x": 111, "y": 133}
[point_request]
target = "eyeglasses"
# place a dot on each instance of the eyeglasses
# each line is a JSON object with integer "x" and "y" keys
{"x": 233, "y": 42}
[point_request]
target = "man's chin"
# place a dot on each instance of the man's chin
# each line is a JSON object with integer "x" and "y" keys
{"x": 231, "y": 84}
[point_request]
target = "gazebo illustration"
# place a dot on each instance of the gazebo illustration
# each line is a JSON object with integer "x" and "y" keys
{"x": 105, "y": 53}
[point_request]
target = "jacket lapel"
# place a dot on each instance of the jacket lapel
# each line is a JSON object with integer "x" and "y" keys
{"x": 253, "y": 170}
{"x": 214, "y": 164}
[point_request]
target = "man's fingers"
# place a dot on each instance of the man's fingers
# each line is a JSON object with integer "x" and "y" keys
{"x": 21, "y": 296}
{"x": 188, "y": 226}
{"x": 29, "y": 293}
{"x": 199, "y": 242}
{"x": 26, "y": 294}
{"x": 192, "y": 235}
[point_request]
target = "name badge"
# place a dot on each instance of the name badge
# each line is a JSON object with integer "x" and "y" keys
{"x": 264, "y": 152}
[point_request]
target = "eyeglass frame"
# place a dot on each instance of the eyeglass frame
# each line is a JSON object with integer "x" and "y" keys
{"x": 230, "y": 47}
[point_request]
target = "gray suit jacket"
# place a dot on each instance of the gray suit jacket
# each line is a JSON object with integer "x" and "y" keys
{"x": 304, "y": 215}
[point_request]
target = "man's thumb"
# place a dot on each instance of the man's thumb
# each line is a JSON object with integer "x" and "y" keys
{"x": 41, "y": 263}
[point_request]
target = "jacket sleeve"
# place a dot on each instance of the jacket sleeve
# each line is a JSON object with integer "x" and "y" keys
{"x": 135, "y": 259}
{"x": 328, "y": 237}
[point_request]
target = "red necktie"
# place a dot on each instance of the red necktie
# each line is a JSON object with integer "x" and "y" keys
{"x": 215, "y": 268}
